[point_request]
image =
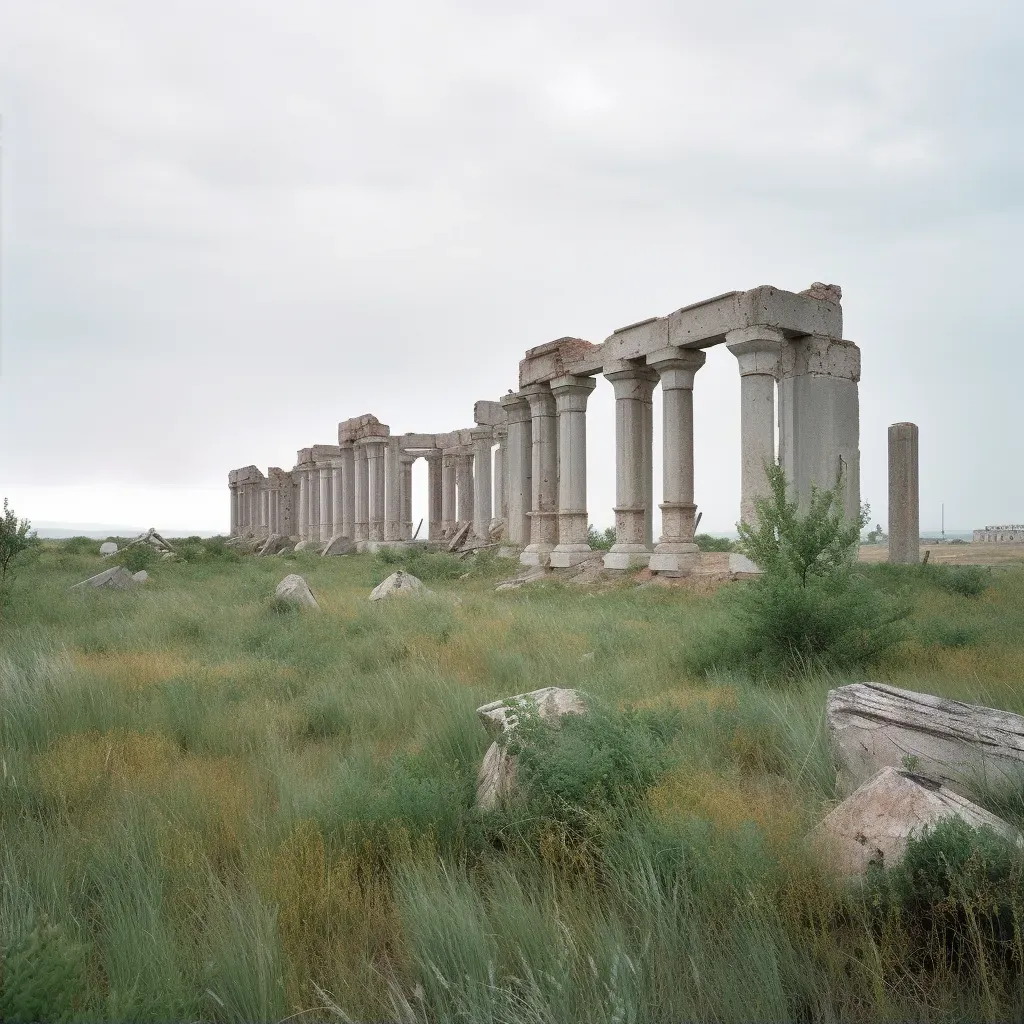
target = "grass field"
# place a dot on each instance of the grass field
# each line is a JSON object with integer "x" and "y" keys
{"x": 213, "y": 809}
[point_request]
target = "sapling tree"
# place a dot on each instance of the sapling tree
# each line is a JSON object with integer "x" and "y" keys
{"x": 14, "y": 538}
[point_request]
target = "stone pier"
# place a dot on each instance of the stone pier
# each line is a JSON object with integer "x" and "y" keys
{"x": 519, "y": 472}
{"x": 904, "y": 500}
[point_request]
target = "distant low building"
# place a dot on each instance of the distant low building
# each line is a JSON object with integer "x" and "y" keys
{"x": 1000, "y": 534}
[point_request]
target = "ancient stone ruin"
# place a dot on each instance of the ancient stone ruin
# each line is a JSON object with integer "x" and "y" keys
{"x": 1010, "y": 534}
{"x": 518, "y": 473}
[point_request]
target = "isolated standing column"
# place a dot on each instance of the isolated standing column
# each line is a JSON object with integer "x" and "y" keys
{"x": 571, "y": 394}
{"x": 758, "y": 351}
{"x": 633, "y": 466}
{"x": 904, "y": 495}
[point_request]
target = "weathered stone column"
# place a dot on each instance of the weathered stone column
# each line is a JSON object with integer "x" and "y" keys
{"x": 633, "y": 388}
{"x": 571, "y": 394}
{"x": 544, "y": 472}
{"x": 375, "y": 455}
{"x": 393, "y": 497}
{"x": 314, "y": 504}
{"x": 499, "y": 510}
{"x": 348, "y": 492}
{"x": 676, "y": 551}
{"x": 449, "y": 491}
{"x": 518, "y": 469}
{"x": 264, "y": 510}
{"x": 435, "y": 507}
{"x": 233, "y": 489}
{"x": 361, "y": 492}
{"x": 904, "y": 495}
{"x": 337, "y": 500}
{"x": 464, "y": 482}
{"x": 758, "y": 351}
{"x": 405, "y": 495}
{"x": 483, "y": 438}
{"x": 303, "y": 529}
{"x": 326, "y": 503}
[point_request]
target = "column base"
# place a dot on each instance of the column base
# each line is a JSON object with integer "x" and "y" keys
{"x": 508, "y": 551}
{"x": 564, "y": 556}
{"x": 537, "y": 554}
{"x": 675, "y": 558}
{"x": 627, "y": 556}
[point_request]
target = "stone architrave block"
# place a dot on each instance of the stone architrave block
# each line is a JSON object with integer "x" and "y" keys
{"x": 295, "y": 590}
{"x": 114, "y": 578}
{"x": 873, "y": 725}
{"x": 873, "y": 825}
{"x": 496, "y": 777}
{"x": 546, "y": 362}
{"x": 489, "y": 414}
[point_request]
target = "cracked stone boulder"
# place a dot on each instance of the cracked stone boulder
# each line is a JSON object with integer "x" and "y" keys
{"x": 873, "y": 726}
{"x": 872, "y": 825}
{"x": 296, "y": 590}
{"x": 114, "y": 578}
{"x": 399, "y": 584}
{"x": 496, "y": 777}
{"x": 273, "y": 545}
{"x": 339, "y": 546}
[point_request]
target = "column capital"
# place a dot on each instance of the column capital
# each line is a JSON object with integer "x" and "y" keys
{"x": 516, "y": 407}
{"x": 758, "y": 349}
{"x": 677, "y": 366}
{"x": 572, "y": 384}
{"x": 407, "y": 458}
{"x": 482, "y": 435}
{"x": 633, "y": 381}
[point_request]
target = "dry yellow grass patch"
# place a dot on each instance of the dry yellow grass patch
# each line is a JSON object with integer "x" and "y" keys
{"x": 86, "y": 772}
{"x": 729, "y": 802}
{"x": 688, "y": 697}
{"x": 132, "y": 670}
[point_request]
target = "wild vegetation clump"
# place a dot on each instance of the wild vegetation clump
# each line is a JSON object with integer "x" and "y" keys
{"x": 601, "y": 540}
{"x": 810, "y": 609}
{"x": 15, "y": 537}
{"x": 707, "y": 542}
{"x": 214, "y": 812}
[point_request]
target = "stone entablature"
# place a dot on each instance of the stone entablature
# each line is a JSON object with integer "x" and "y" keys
{"x": 522, "y": 467}
{"x": 1013, "y": 534}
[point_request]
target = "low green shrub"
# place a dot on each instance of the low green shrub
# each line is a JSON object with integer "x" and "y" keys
{"x": 137, "y": 557}
{"x": 959, "y": 895}
{"x": 80, "y": 546}
{"x": 964, "y": 580}
{"x": 940, "y": 633}
{"x": 706, "y": 542}
{"x": 205, "y": 549}
{"x": 601, "y": 540}
{"x": 424, "y": 565}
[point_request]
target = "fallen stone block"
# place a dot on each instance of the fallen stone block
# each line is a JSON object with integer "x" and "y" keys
{"x": 273, "y": 545}
{"x": 339, "y": 546}
{"x": 141, "y": 576}
{"x": 399, "y": 584}
{"x": 295, "y": 590}
{"x": 108, "y": 548}
{"x": 873, "y": 725}
{"x": 872, "y": 825}
{"x": 309, "y": 545}
{"x": 114, "y": 578}
{"x": 496, "y": 777}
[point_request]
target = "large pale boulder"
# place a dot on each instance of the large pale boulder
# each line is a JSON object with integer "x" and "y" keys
{"x": 296, "y": 590}
{"x": 873, "y": 725}
{"x": 399, "y": 584}
{"x": 309, "y": 545}
{"x": 114, "y": 578}
{"x": 497, "y": 775}
{"x": 141, "y": 576}
{"x": 339, "y": 546}
{"x": 872, "y": 825}
{"x": 108, "y": 548}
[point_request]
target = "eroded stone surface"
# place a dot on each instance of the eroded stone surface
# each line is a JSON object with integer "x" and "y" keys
{"x": 114, "y": 578}
{"x": 496, "y": 777}
{"x": 873, "y": 825}
{"x": 399, "y": 584}
{"x": 108, "y": 548}
{"x": 339, "y": 546}
{"x": 295, "y": 589}
{"x": 273, "y": 545}
{"x": 141, "y": 576}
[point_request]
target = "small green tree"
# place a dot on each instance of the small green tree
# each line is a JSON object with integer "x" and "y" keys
{"x": 816, "y": 543}
{"x": 601, "y": 541}
{"x": 14, "y": 538}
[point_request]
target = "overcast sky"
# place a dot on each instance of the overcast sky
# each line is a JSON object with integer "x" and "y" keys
{"x": 229, "y": 225}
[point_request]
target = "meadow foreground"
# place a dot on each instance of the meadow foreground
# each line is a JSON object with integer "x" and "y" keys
{"x": 217, "y": 808}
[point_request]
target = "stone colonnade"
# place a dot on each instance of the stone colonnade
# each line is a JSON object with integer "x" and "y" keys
{"x": 520, "y": 473}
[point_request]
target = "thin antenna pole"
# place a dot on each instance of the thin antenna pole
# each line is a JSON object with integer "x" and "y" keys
{"x": 943, "y": 520}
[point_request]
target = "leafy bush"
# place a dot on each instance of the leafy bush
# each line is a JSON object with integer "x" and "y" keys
{"x": 80, "y": 546}
{"x": 706, "y": 542}
{"x": 601, "y": 541}
{"x": 205, "y": 549}
{"x": 965, "y": 580}
{"x": 939, "y": 633}
{"x": 958, "y": 892}
{"x": 44, "y": 976}
{"x": 810, "y": 608}
{"x": 589, "y": 765}
{"x": 136, "y": 557}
